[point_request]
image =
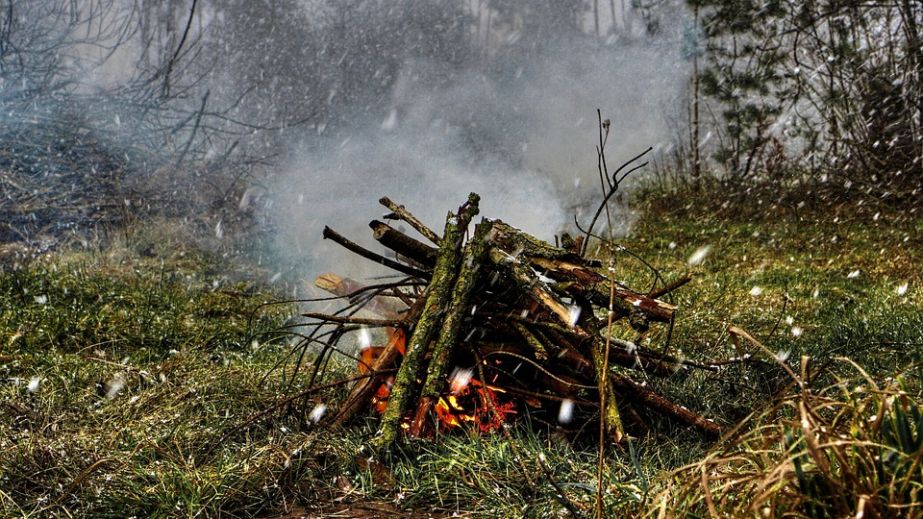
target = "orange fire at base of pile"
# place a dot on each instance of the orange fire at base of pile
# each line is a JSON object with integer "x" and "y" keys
{"x": 471, "y": 403}
{"x": 475, "y": 404}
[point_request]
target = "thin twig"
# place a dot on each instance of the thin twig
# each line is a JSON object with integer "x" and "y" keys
{"x": 283, "y": 402}
{"x": 391, "y": 323}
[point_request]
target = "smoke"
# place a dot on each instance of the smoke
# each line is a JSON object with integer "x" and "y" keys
{"x": 522, "y": 137}
{"x": 347, "y": 101}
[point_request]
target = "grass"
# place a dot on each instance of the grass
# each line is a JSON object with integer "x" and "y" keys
{"x": 851, "y": 449}
{"x": 131, "y": 382}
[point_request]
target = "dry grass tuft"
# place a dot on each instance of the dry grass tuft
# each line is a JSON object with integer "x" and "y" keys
{"x": 851, "y": 449}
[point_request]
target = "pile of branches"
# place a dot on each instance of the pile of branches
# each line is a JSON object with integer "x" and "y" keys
{"x": 484, "y": 327}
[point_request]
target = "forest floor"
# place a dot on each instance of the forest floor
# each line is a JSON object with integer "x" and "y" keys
{"x": 134, "y": 378}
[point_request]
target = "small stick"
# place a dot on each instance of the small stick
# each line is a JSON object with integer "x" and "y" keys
{"x": 285, "y": 401}
{"x": 354, "y": 320}
{"x": 662, "y": 291}
{"x": 538, "y": 348}
{"x": 361, "y": 394}
{"x": 663, "y": 406}
{"x": 405, "y": 215}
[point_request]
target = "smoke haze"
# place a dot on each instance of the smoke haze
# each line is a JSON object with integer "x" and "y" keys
{"x": 523, "y": 138}
{"x": 310, "y": 111}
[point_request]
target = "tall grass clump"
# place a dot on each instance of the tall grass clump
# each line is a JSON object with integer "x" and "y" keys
{"x": 851, "y": 449}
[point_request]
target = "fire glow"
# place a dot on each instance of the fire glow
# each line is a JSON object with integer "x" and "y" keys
{"x": 469, "y": 401}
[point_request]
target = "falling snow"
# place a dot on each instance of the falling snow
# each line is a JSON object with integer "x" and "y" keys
{"x": 365, "y": 338}
{"x": 459, "y": 379}
{"x": 317, "y": 413}
{"x": 573, "y": 315}
{"x": 566, "y": 411}
{"x": 699, "y": 255}
{"x": 114, "y": 387}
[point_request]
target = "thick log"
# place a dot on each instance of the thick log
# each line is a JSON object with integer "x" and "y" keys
{"x": 403, "y": 214}
{"x": 444, "y": 274}
{"x": 468, "y": 277}
{"x": 404, "y": 245}
{"x": 330, "y": 234}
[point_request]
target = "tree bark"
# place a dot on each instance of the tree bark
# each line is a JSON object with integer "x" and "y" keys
{"x": 444, "y": 274}
{"x": 404, "y": 245}
{"x": 468, "y": 277}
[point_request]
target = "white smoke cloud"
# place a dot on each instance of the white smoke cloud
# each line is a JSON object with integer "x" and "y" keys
{"x": 428, "y": 152}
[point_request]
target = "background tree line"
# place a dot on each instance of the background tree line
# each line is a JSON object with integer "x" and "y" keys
{"x": 777, "y": 89}
{"x": 819, "y": 89}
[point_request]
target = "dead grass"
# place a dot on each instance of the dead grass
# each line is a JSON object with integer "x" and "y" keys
{"x": 851, "y": 449}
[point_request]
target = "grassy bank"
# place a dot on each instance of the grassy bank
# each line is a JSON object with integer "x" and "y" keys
{"x": 134, "y": 386}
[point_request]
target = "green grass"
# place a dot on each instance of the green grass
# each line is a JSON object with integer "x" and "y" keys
{"x": 189, "y": 350}
{"x": 116, "y": 377}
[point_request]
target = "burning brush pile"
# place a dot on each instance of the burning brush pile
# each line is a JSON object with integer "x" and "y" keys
{"x": 486, "y": 326}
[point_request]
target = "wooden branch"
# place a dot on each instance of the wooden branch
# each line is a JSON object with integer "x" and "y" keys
{"x": 595, "y": 286}
{"x": 330, "y": 234}
{"x": 528, "y": 282}
{"x": 403, "y": 244}
{"x": 609, "y": 413}
{"x": 346, "y": 287}
{"x": 664, "y": 290}
{"x": 468, "y": 275}
{"x": 444, "y": 275}
{"x": 538, "y": 349}
{"x": 649, "y": 398}
{"x": 339, "y": 319}
{"x": 516, "y": 242}
{"x": 629, "y": 355}
{"x": 361, "y": 394}
{"x": 405, "y": 215}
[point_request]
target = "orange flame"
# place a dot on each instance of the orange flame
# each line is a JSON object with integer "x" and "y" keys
{"x": 469, "y": 401}
{"x": 477, "y": 404}
{"x": 397, "y": 338}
